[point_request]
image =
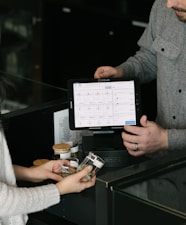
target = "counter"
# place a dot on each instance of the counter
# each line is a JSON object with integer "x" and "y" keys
{"x": 119, "y": 192}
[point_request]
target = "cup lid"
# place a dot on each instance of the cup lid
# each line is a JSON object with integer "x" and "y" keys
{"x": 61, "y": 147}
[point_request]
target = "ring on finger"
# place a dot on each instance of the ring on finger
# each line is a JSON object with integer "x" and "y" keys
{"x": 136, "y": 147}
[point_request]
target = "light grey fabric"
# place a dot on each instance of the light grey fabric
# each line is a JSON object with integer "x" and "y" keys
{"x": 162, "y": 55}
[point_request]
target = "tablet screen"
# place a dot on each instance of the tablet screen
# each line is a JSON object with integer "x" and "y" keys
{"x": 103, "y": 104}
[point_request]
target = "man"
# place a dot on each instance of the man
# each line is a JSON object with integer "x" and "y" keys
{"x": 162, "y": 56}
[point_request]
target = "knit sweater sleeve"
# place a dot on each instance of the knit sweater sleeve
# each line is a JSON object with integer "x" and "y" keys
{"x": 15, "y": 200}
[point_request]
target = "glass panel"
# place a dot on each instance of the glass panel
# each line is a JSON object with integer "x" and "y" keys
{"x": 165, "y": 190}
{"x": 24, "y": 93}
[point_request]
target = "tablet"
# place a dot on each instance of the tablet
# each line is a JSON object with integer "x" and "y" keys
{"x": 103, "y": 104}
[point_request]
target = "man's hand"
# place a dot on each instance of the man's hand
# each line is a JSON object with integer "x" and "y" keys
{"x": 146, "y": 139}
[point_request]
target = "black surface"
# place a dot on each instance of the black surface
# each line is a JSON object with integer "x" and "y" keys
{"x": 45, "y": 218}
{"x": 30, "y": 132}
{"x": 110, "y": 147}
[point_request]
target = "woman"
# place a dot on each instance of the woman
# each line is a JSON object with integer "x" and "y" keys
{"x": 17, "y": 202}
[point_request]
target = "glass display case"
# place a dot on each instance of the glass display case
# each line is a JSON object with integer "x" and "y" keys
{"x": 146, "y": 193}
{"x": 27, "y": 94}
{"x": 151, "y": 201}
{"x": 28, "y": 112}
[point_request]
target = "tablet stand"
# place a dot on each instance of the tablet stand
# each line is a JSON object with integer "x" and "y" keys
{"x": 110, "y": 147}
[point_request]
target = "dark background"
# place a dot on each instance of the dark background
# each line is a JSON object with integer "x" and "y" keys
{"x": 65, "y": 39}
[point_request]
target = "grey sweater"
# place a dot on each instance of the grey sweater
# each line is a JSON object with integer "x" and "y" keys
{"x": 162, "y": 55}
{"x": 15, "y": 202}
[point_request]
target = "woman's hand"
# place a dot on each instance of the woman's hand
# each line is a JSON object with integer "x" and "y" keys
{"x": 76, "y": 182}
{"x": 49, "y": 170}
